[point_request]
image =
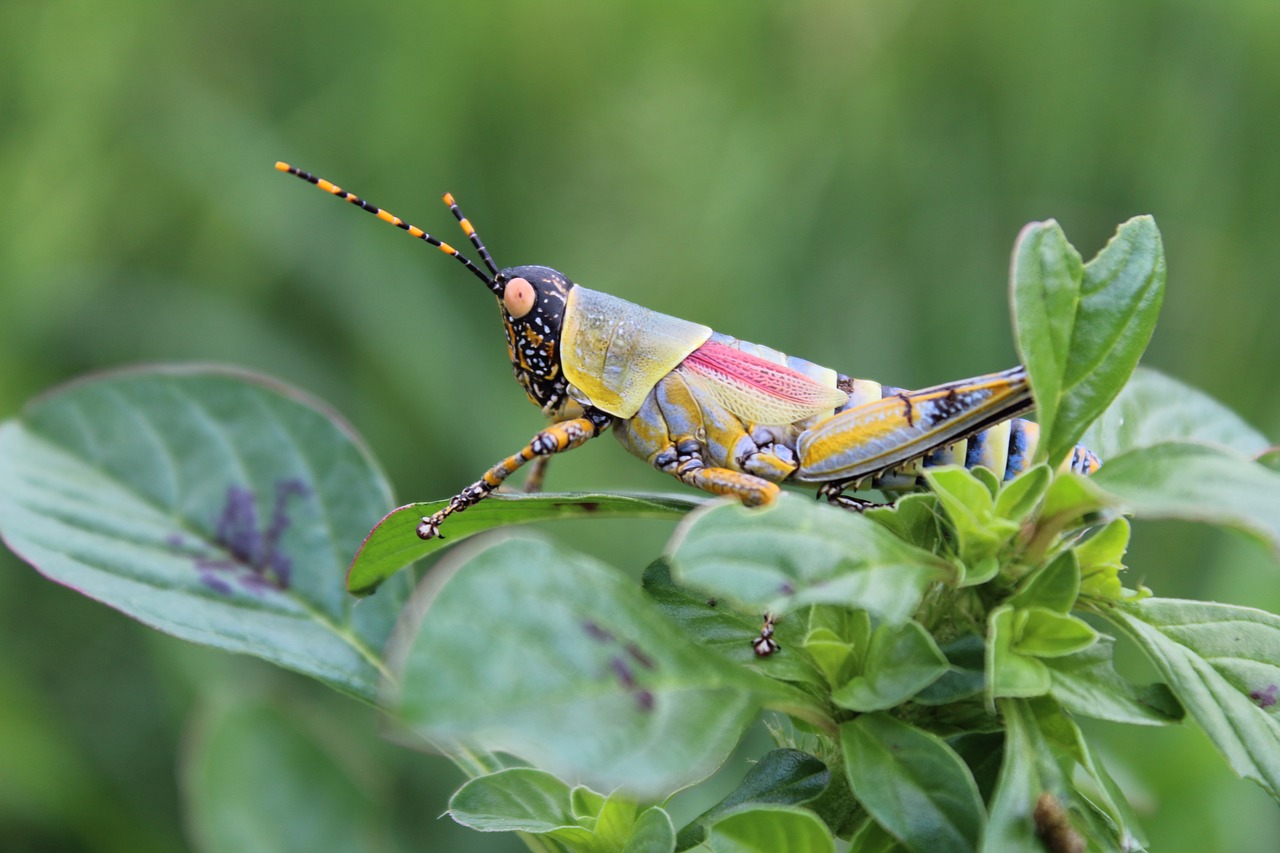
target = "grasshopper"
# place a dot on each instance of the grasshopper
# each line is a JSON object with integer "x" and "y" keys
{"x": 720, "y": 414}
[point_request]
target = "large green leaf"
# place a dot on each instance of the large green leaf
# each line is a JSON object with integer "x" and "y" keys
{"x": 1082, "y": 328}
{"x": 530, "y": 648}
{"x": 770, "y": 829}
{"x": 1223, "y": 663}
{"x": 913, "y": 784}
{"x": 255, "y": 779}
{"x": 1154, "y": 408}
{"x": 393, "y": 543}
{"x": 797, "y": 552}
{"x": 1196, "y": 482}
{"x": 210, "y": 503}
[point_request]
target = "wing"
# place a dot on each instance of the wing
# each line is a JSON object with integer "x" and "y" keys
{"x": 757, "y": 390}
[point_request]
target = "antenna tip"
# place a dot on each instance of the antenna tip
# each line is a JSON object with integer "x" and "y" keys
{"x": 448, "y": 199}
{"x": 281, "y": 166}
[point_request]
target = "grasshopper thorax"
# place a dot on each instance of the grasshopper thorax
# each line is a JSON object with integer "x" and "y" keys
{"x": 533, "y": 305}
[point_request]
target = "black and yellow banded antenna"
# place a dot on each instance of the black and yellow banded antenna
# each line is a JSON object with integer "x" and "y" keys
{"x": 471, "y": 232}
{"x": 491, "y": 282}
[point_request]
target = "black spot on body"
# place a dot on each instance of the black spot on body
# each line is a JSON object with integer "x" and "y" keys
{"x": 907, "y": 410}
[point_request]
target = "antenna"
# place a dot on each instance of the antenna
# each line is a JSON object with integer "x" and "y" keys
{"x": 471, "y": 232}
{"x": 414, "y": 231}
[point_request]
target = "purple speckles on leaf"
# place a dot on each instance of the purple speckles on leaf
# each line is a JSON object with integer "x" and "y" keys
{"x": 619, "y": 666}
{"x": 624, "y": 673}
{"x": 253, "y": 556}
{"x": 638, "y": 654}
{"x": 215, "y": 583}
{"x": 1264, "y": 698}
{"x": 595, "y": 632}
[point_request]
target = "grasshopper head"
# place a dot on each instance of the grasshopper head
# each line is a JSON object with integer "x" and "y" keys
{"x": 532, "y": 302}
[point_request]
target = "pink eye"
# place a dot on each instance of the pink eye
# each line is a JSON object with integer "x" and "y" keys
{"x": 518, "y": 297}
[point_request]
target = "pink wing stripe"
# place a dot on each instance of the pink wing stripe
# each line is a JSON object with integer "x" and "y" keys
{"x": 757, "y": 374}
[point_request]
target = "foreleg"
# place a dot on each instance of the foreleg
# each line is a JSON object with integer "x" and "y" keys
{"x": 556, "y": 438}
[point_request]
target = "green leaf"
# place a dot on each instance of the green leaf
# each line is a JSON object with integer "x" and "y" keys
{"x": 523, "y": 799}
{"x": 959, "y": 489}
{"x": 1081, "y": 330}
{"x": 1019, "y": 496}
{"x": 986, "y": 477}
{"x": 1223, "y": 664}
{"x": 579, "y": 672}
{"x": 965, "y": 675}
{"x": 616, "y": 820}
{"x": 780, "y": 777}
{"x": 1070, "y": 497}
{"x": 255, "y": 779}
{"x": 870, "y": 837}
{"x": 914, "y": 517}
{"x": 1098, "y": 809}
{"x": 585, "y": 803}
{"x": 1028, "y": 771}
{"x": 1045, "y": 295}
{"x": 829, "y": 652}
{"x": 913, "y": 784}
{"x": 1054, "y": 586}
{"x": 1196, "y": 483}
{"x": 1100, "y": 558}
{"x": 653, "y": 833}
{"x": 1044, "y": 633}
{"x": 796, "y": 552}
{"x": 971, "y": 507}
{"x": 393, "y": 543}
{"x": 209, "y": 503}
{"x": 1154, "y": 408}
{"x": 518, "y": 799}
{"x": 1010, "y": 673}
{"x": 1086, "y": 683}
{"x": 770, "y": 829}
{"x": 901, "y": 661}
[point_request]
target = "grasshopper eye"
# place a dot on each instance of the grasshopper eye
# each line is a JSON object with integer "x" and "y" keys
{"x": 518, "y": 297}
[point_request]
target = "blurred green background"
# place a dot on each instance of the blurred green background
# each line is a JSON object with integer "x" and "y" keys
{"x": 843, "y": 181}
